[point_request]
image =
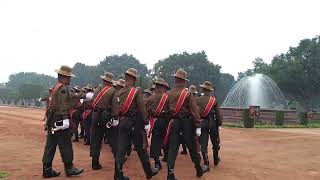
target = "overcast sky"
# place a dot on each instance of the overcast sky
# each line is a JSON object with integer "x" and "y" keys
{"x": 39, "y": 36}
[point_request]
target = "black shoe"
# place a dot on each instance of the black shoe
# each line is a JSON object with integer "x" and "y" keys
{"x": 81, "y": 136}
{"x": 76, "y": 140}
{"x": 216, "y": 161}
{"x": 87, "y": 143}
{"x": 74, "y": 171}
{"x": 171, "y": 174}
{"x": 165, "y": 159}
{"x": 96, "y": 165}
{"x": 206, "y": 167}
{"x": 184, "y": 152}
{"x": 154, "y": 171}
{"x": 49, "y": 173}
{"x": 118, "y": 174}
{"x": 157, "y": 164}
{"x": 200, "y": 171}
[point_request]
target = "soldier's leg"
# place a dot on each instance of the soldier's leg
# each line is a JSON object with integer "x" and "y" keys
{"x": 215, "y": 145}
{"x": 173, "y": 147}
{"x": 157, "y": 141}
{"x": 48, "y": 155}
{"x": 96, "y": 140}
{"x": 125, "y": 127}
{"x": 81, "y": 135}
{"x": 188, "y": 131}
{"x": 183, "y": 144}
{"x": 66, "y": 151}
{"x": 204, "y": 139}
{"x": 140, "y": 143}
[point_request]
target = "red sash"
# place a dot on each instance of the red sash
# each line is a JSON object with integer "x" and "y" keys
{"x": 56, "y": 88}
{"x": 129, "y": 100}
{"x": 206, "y": 111}
{"x": 158, "y": 111}
{"x": 95, "y": 102}
{"x": 182, "y": 97}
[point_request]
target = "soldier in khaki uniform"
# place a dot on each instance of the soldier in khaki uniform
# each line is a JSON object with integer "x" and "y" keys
{"x": 212, "y": 120}
{"x": 158, "y": 109}
{"x": 47, "y": 100}
{"x": 130, "y": 107}
{"x": 75, "y": 113}
{"x": 115, "y": 129}
{"x": 59, "y": 133}
{"x": 87, "y": 121}
{"x": 102, "y": 103}
{"x": 182, "y": 123}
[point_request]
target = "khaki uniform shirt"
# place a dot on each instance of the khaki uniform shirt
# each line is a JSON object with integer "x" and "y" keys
{"x": 106, "y": 100}
{"x": 189, "y": 106}
{"x": 153, "y": 102}
{"x": 138, "y": 104}
{"x": 202, "y": 102}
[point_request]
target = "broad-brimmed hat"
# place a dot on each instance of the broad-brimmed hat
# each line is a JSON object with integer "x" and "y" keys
{"x": 50, "y": 88}
{"x": 193, "y": 89}
{"x": 121, "y": 83}
{"x": 181, "y": 74}
{"x": 161, "y": 82}
{"x": 114, "y": 83}
{"x": 207, "y": 85}
{"x": 88, "y": 87}
{"x": 65, "y": 70}
{"x": 147, "y": 91}
{"x": 132, "y": 72}
{"x": 77, "y": 88}
{"x": 108, "y": 77}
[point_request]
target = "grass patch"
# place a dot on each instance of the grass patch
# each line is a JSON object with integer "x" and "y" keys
{"x": 313, "y": 124}
{"x": 3, "y": 174}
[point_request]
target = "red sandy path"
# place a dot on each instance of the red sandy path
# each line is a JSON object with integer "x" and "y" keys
{"x": 246, "y": 153}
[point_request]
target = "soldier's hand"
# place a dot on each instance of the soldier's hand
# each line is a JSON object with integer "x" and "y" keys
{"x": 198, "y": 132}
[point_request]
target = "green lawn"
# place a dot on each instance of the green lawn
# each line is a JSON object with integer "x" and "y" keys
{"x": 3, "y": 174}
{"x": 313, "y": 124}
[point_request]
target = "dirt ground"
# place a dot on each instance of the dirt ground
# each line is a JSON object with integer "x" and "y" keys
{"x": 249, "y": 154}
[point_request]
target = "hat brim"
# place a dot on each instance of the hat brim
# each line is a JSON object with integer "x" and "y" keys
{"x": 180, "y": 78}
{"x": 206, "y": 87}
{"x": 132, "y": 75}
{"x": 108, "y": 80}
{"x": 64, "y": 73}
{"x": 165, "y": 85}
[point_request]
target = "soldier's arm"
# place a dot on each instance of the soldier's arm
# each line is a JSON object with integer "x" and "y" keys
{"x": 141, "y": 107}
{"x": 219, "y": 116}
{"x": 194, "y": 110}
{"x": 115, "y": 105}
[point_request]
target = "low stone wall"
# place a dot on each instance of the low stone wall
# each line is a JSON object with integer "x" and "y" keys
{"x": 267, "y": 116}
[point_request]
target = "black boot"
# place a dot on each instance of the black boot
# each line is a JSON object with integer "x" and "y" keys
{"x": 47, "y": 172}
{"x": 95, "y": 164}
{"x": 216, "y": 159}
{"x": 118, "y": 174}
{"x": 171, "y": 174}
{"x": 76, "y": 140}
{"x": 157, "y": 163}
{"x": 71, "y": 170}
{"x": 199, "y": 170}
{"x": 206, "y": 162}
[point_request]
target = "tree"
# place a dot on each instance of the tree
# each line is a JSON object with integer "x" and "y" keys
{"x": 29, "y": 91}
{"x": 17, "y": 80}
{"x": 198, "y": 67}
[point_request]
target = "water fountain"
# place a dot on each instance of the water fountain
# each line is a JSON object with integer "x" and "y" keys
{"x": 259, "y": 90}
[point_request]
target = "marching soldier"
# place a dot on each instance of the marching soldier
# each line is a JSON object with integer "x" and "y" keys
{"x": 87, "y": 116}
{"x": 158, "y": 109}
{"x": 59, "y": 132}
{"x": 75, "y": 113}
{"x": 114, "y": 128}
{"x": 182, "y": 105}
{"x": 47, "y": 100}
{"x": 102, "y": 103}
{"x": 211, "y": 113}
{"x": 130, "y": 107}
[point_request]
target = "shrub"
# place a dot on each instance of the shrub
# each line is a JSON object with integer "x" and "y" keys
{"x": 279, "y": 118}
